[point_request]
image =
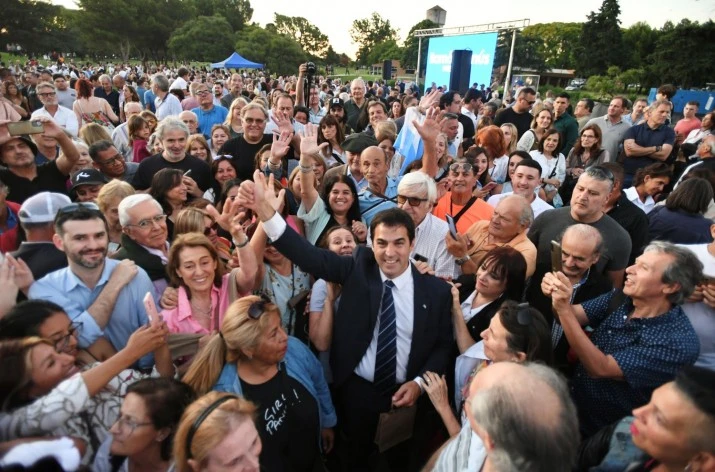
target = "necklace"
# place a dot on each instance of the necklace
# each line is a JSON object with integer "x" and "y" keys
{"x": 200, "y": 311}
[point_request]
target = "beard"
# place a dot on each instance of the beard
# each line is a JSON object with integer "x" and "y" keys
{"x": 81, "y": 260}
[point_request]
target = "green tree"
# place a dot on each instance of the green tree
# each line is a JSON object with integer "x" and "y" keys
{"x": 143, "y": 26}
{"x": 527, "y": 51}
{"x": 680, "y": 55}
{"x": 384, "y": 51}
{"x": 639, "y": 41}
{"x": 605, "y": 86}
{"x": 279, "y": 54}
{"x": 409, "y": 52}
{"x": 332, "y": 57}
{"x": 369, "y": 32}
{"x": 302, "y": 31}
{"x": 36, "y": 26}
{"x": 555, "y": 43}
{"x": 601, "y": 43}
{"x": 206, "y": 39}
{"x": 237, "y": 12}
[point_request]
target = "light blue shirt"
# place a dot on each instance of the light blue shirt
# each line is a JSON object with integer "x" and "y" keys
{"x": 207, "y": 119}
{"x": 64, "y": 288}
{"x": 371, "y": 204}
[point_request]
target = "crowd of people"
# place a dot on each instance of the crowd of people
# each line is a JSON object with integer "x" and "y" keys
{"x": 216, "y": 271}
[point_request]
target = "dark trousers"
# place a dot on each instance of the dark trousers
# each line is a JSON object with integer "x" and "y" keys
{"x": 359, "y": 406}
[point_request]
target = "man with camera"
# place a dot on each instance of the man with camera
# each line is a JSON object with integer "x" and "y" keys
{"x": 307, "y": 72}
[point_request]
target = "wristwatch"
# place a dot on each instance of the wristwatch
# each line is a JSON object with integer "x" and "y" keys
{"x": 658, "y": 148}
{"x": 461, "y": 260}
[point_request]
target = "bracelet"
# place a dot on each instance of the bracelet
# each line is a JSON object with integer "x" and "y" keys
{"x": 275, "y": 166}
{"x": 240, "y": 245}
{"x": 306, "y": 169}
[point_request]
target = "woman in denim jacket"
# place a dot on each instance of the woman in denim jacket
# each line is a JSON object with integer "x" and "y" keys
{"x": 253, "y": 356}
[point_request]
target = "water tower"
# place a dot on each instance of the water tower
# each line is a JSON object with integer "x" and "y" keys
{"x": 438, "y": 15}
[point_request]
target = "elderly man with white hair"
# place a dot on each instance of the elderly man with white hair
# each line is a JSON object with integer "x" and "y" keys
{"x": 165, "y": 103}
{"x": 357, "y": 102}
{"x": 417, "y": 194}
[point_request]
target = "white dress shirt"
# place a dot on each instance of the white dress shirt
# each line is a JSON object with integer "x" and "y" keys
{"x": 403, "y": 296}
{"x": 64, "y": 117}
{"x": 430, "y": 243}
{"x": 169, "y": 106}
{"x": 632, "y": 195}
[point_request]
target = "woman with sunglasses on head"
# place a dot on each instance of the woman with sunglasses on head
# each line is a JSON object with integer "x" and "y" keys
{"x": 518, "y": 333}
{"x": 218, "y": 433}
{"x": 40, "y": 389}
{"x": 339, "y": 203}
{"x": 142, "y": 437}
{"x": 255, "y": 358}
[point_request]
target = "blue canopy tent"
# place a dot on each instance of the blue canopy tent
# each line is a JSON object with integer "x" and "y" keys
{"x": 235, "y": 61}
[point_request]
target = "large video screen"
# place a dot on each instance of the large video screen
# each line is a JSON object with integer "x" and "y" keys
{"x": 439, "y": 57}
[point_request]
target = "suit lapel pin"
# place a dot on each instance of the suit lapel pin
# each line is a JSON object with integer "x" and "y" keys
{"x": 424, "y": 306}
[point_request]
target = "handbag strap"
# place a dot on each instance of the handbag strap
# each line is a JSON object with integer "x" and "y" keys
{"x": 469, "y": 203}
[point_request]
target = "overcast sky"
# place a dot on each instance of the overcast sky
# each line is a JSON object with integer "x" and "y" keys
{"x": 336, "y": 21}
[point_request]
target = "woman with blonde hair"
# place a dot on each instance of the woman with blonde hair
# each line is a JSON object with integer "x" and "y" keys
{"x": 108, "y": 201}
{"x": 92, "y": 132}
{"x": 511, "y": 136}
{"x": 255, "y": 358}
{"x": 219, "y": 135}
{"x": 217, "y": 433}
{"x": 542, "y": 121}
{"x": 233, "y": 119}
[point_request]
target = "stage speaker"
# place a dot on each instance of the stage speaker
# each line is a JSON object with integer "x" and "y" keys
{"x": 461, "y": 69}
{"x": 387, "y": 70}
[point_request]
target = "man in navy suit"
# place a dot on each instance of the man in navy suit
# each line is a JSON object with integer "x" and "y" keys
{"x": 381, "y": 289}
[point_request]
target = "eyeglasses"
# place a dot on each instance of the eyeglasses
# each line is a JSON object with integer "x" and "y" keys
{"x": 257, "y": 308}
{"x": 210, "y": 229}
{"x": 413, "y": 201}
{"x": 61, "y": 343}
{"x": 73, "y": 207}
{"x": 124, "y": 423}
{"x": 203, "y": 92}
{"x": 118, "y": 157}
{"x": 48, "y": 94}
{"x": 147, "y": 223}
{"x": 463, "y": 166}
{"x": 250, "y": 121}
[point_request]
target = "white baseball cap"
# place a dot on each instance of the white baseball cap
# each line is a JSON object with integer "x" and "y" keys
{"x": 42, "y": 207}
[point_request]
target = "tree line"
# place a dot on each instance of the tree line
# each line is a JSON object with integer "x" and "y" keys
{"x": 208, "y": 30}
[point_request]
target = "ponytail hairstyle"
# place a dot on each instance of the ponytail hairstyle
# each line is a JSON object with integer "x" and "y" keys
{"x": 239, "y": 335}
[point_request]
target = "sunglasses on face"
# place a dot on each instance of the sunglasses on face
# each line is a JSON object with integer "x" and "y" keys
{"x": 413, "y": 201}
{"x": 210, "y": 229}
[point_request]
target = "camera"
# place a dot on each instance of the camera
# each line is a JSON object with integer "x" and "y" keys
{"x": 311, "y": 68}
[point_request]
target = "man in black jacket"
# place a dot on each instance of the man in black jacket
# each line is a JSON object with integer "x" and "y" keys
{"x": 392, "y": 323}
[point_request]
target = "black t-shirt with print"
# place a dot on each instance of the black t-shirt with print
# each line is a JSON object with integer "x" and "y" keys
{"x": 288, "y": 423}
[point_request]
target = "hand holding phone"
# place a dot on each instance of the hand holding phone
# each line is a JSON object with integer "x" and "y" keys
{"x": 556, "y": 261}
{"x": 151, "y": 311}
{"x": 25, "y": 127}
{"x": 452, "y": 226}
